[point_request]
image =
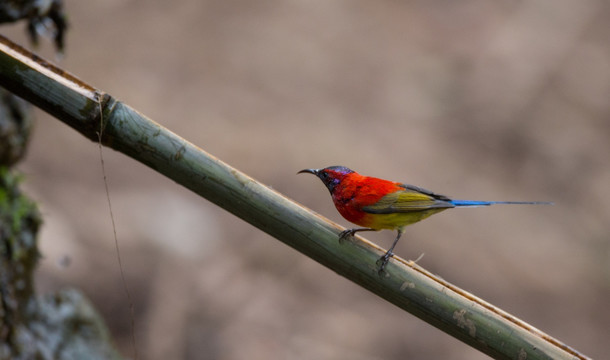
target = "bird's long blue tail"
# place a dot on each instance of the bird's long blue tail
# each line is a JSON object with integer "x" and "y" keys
{"x": 474, "y": 203}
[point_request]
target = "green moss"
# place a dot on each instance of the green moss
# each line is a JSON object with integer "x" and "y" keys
{"x": 19, "y": 221}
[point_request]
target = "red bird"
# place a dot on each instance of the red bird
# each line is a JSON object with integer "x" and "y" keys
{"x": 378, "y": 204}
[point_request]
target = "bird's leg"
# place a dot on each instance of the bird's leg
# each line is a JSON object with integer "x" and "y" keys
{"x": 351, "y": 232}
{"x": 382, "y": 262}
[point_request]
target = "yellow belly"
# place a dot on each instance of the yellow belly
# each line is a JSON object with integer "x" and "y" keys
{"x": 398, "y": 220}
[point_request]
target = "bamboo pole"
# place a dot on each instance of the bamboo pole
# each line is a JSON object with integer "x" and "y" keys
{"x": 407, "y": 285}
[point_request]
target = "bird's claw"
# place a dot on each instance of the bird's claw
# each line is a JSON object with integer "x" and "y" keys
{"x": 382, "y": 262}
{"x": 345, "y": 234}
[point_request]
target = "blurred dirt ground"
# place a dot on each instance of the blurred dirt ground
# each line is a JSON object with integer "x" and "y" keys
{"x": 474, "y": 99}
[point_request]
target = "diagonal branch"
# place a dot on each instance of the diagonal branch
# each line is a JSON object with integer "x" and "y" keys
{"x": 449, "y": 308}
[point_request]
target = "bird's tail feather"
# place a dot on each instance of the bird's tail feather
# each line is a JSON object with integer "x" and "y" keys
{"x": 475, "y": 203}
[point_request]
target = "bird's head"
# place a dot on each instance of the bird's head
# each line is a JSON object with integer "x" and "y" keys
{"x": 331, "y": 176}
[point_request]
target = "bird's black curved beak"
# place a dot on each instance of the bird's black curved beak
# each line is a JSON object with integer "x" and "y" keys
{"x": 310, "y": 171}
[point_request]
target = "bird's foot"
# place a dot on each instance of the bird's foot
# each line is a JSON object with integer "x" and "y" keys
{"x": 382, "y": 262}
{"x": 345, "y": 234}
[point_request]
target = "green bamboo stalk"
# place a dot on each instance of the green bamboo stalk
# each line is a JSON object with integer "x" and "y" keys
{"x": 407, "y": 285}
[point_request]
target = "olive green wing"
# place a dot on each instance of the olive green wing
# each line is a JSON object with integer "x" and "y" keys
{"x": 411, "y": 198}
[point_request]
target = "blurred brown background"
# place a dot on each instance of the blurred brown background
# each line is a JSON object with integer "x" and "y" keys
{"x": 474, "y": 99}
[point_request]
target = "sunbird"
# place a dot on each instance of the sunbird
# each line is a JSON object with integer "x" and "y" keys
{"x": 378, "y": 204}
